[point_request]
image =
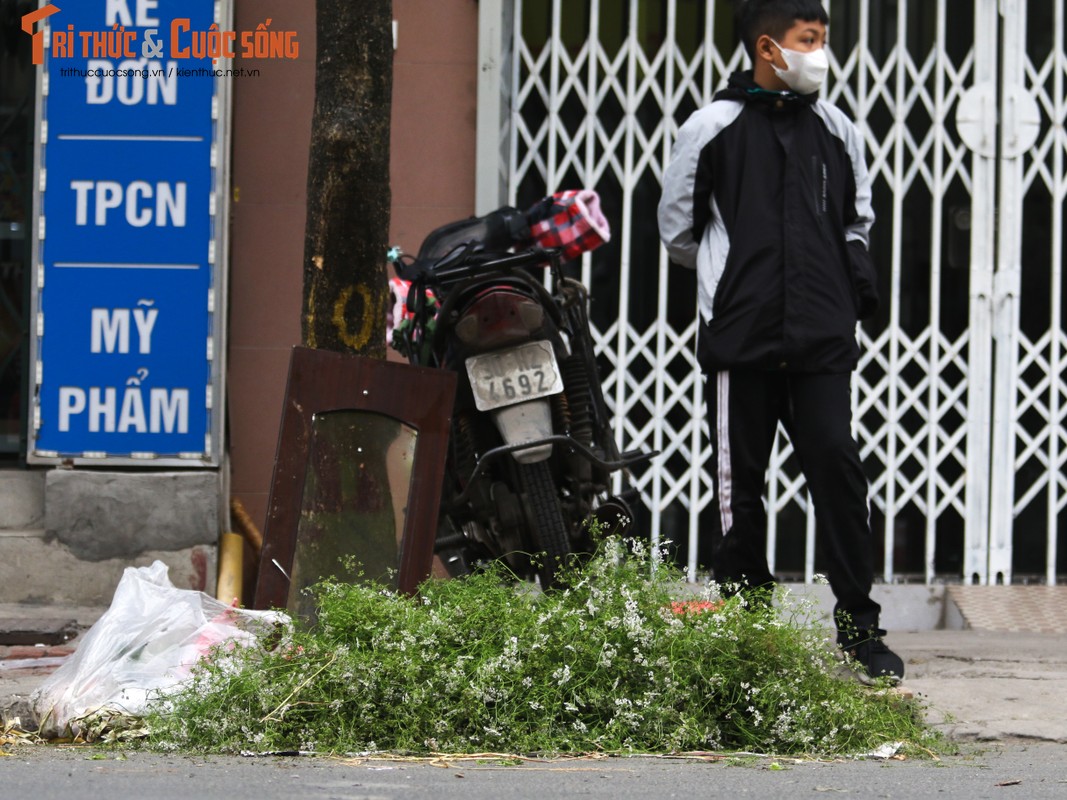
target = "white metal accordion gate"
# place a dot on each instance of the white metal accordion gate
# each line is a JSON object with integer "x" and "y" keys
{"x": 959, "y": 399}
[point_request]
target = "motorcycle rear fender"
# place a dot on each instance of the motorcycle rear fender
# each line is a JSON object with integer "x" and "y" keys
{"x": 526, "y": 422}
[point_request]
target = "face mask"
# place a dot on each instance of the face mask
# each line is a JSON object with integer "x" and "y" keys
{"x": 806, "y": 70}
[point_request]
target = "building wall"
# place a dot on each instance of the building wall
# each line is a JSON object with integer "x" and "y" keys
{"x": 432, "y": 181}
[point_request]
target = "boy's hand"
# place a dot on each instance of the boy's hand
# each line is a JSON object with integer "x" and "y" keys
{"x": 865, "y": 279}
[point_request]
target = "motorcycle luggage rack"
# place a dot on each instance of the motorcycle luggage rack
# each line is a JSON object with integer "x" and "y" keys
{"x": 627, "y": 459}
{"x": 473, "y": 265}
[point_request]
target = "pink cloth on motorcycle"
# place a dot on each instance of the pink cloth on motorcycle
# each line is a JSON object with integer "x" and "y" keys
{"x": 397, "y": 313}
{"x": 576, "y": 224}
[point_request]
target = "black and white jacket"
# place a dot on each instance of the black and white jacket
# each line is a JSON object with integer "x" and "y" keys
{"x": 767, "y": 196}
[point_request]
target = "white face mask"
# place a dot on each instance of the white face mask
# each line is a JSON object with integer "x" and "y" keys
{"x": 806, "y": 71}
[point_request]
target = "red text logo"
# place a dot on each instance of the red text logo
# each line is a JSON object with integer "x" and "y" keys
{"x": 31, "y": 19}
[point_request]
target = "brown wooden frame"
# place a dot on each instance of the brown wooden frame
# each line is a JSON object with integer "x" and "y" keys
{"x": 321, "y": 381}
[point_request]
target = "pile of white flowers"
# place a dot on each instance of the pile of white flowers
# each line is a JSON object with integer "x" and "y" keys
{"x": 614, "y": 662}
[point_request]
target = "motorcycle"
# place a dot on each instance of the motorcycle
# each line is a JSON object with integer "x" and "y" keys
{"x": 531, "y": 451}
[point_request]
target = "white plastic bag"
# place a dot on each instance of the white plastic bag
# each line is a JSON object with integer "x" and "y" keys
{"x": 144, "y": 646}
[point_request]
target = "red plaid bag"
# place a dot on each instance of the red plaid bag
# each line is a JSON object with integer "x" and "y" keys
{"x": 571, "y": 221}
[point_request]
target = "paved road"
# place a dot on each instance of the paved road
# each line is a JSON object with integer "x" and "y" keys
{"x": 1035, "y": 772}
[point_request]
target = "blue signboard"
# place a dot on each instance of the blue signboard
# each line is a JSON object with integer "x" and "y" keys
{"x": 129, "y": 225}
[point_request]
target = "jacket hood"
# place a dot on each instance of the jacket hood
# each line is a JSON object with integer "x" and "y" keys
{"x": 742, "y": 86}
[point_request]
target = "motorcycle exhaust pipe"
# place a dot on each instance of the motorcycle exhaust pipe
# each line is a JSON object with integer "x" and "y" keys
{"x": 614, "y": 516}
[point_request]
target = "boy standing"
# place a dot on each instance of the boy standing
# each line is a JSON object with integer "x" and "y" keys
{"x": 767, "y": 196}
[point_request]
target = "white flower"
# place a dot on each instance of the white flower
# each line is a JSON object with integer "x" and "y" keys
{"x": 562, "y": 675}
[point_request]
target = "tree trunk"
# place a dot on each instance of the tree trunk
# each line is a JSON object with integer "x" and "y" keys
{"x": 345, "y": 280}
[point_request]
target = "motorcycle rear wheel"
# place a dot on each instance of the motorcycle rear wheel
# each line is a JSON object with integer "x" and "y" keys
{"x": 545, "y": 521}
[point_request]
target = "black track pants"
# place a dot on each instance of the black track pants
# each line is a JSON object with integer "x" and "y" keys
{"x": 745, "y": 408}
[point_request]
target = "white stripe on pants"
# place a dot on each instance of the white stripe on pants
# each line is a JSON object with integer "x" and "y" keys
{"x": 722, "y": 426}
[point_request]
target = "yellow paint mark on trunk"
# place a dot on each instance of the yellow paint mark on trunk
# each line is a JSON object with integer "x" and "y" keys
{"x": 309, "y": 323}
{"x": 356, "y": 340}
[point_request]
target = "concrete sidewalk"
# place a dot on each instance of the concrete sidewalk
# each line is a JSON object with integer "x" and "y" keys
{"x": 989, "y": 685}
{"x": 978, "y": 685}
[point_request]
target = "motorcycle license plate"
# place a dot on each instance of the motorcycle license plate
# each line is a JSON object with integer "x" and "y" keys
{"x": 506, "y": 377}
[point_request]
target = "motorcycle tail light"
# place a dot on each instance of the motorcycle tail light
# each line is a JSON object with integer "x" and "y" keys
{"x": 498, "y": 317}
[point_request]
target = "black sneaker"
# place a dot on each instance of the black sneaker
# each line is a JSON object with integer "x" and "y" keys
{"x": 872, "y": 654}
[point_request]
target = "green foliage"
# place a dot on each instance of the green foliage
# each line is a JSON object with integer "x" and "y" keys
{"x": 472, "y": 665}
